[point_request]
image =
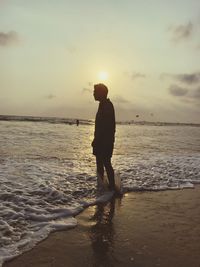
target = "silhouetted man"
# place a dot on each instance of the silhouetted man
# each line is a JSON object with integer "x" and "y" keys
{"x": 104, "y": 135}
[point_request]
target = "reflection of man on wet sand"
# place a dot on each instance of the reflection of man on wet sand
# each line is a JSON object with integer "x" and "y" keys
{"x": 102, "y": 233}
{"x": 104, "y": 135}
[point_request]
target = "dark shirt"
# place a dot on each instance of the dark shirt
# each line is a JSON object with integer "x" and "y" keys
{"x": 104, "y": 135}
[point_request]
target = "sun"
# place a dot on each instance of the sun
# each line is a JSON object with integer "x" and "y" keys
{"x": 103, "y": 76}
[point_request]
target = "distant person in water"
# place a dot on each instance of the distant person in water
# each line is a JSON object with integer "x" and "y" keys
{"x": 104, "y": 135}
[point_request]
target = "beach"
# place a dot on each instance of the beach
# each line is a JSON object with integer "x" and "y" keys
{"x": 49, "y": 192}
{"x": 141, "y": 229}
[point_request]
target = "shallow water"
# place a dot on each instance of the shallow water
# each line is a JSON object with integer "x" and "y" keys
{"x": 47, "y": 173}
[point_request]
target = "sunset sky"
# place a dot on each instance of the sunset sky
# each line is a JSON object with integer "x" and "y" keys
{"x": 146, "y": 52}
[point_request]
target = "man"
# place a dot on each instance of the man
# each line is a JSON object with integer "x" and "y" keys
{"x": 104, "y": 135}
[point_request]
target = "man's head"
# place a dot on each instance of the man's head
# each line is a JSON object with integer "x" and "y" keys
{"x": 100, "y": 92}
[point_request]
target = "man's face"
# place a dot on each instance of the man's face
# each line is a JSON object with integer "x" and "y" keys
{"x": 96, "y": 95}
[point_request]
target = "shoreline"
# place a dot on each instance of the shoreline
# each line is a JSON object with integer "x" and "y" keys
{"x": 143, "y": 229}
{"x": 63, "y": 120}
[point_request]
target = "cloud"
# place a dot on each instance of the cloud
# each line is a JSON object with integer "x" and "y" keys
{"x": 86, "y": 90}
{"x": 137, "y": 75}
{"x": 198, "y": 47}
{"x": 72, "y": 49}
{"x": 193, "y": 78}
{"x": 120, "y": 100}
{"x": 50, "y": 96}
{"x": 176, "y": 90}
{"x": 181, "y": 32}
{"x": 186, "y": 95}
{"x": 186, "y": 78}
{"x": 9, "y": 38}
{"x": 194, "y": 96}
{"x": 196, "y": 93}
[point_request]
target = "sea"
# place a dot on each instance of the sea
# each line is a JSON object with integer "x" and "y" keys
{"x": 48, "y": 172}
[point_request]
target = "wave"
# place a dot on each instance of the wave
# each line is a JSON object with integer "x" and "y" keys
{"x": 69, "y": 121}
{"x": 72, "y": 121}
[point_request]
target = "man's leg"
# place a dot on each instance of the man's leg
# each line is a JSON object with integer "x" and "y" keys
{"x": 110, "y": 172}
{"x": 100, "y": 167}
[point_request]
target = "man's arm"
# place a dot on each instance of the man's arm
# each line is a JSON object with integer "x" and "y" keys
{"x": 108, "y": 124}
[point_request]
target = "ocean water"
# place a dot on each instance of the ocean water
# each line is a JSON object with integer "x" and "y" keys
{"x": 48, "y": 173}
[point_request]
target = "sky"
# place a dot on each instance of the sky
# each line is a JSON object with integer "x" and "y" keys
{"x": 147, "y": 52}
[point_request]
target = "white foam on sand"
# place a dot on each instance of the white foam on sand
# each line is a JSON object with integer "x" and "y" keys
{"x": 31, "y": 225}
{"x": 35, "y": 234}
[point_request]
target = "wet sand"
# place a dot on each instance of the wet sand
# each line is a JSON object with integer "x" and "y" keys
{"x": 143, "y": 229}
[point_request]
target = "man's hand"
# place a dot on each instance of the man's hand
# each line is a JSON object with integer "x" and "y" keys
{"x": 93, "y": 142}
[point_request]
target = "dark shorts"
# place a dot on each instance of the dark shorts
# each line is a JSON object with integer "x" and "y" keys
{"x": 103, "y": 150}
